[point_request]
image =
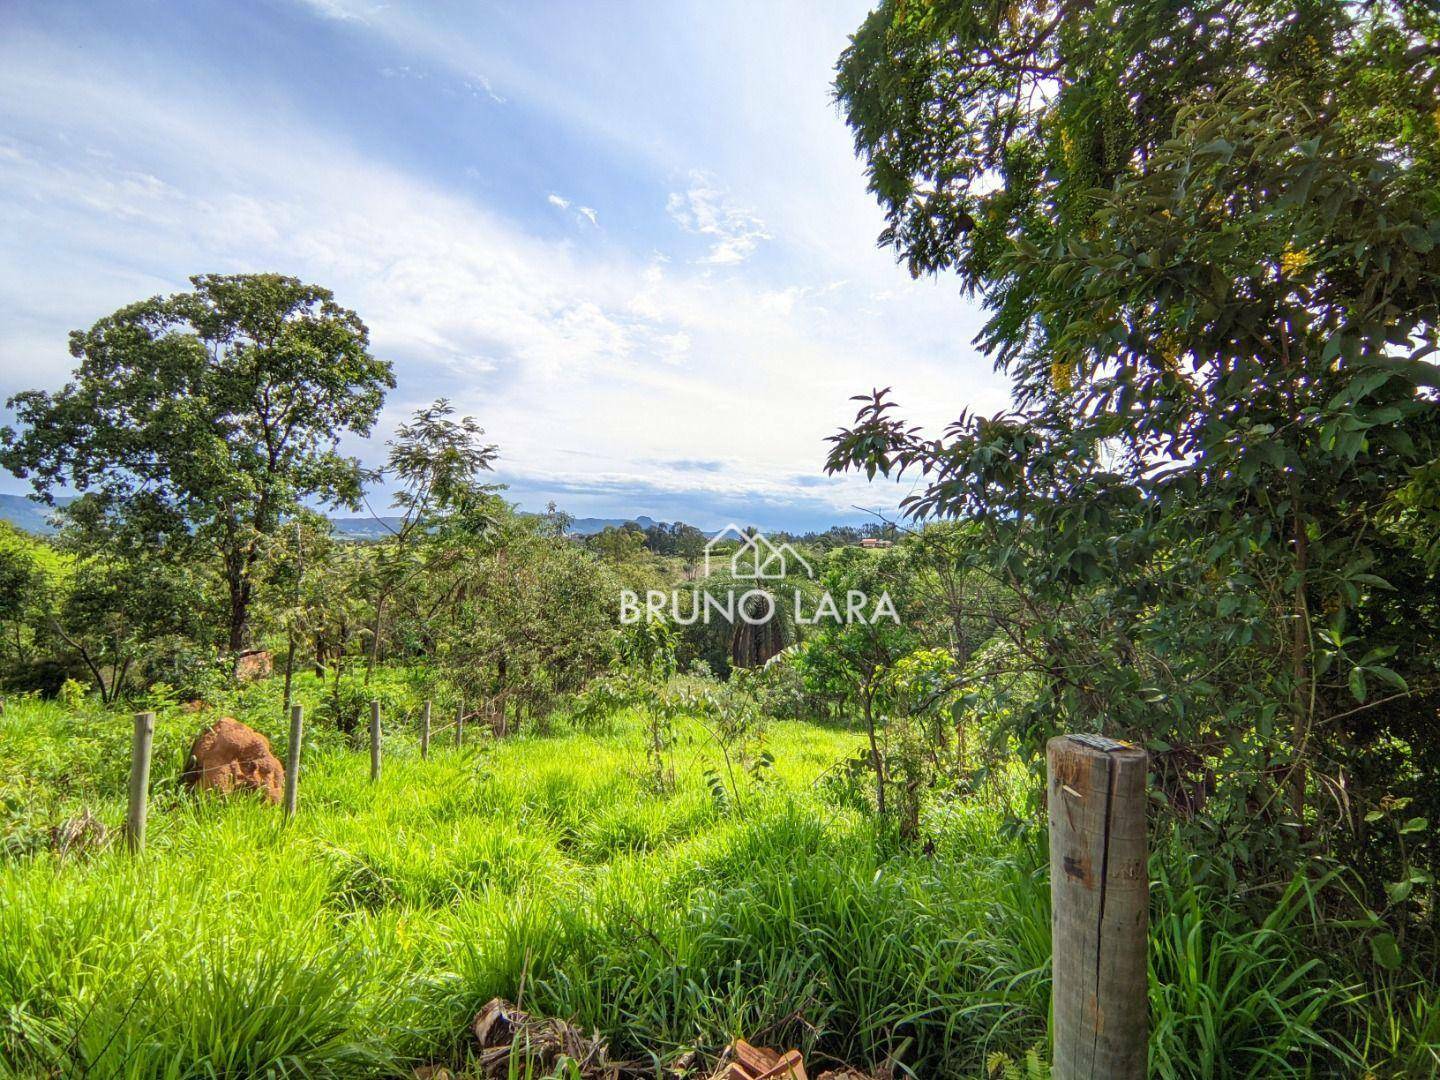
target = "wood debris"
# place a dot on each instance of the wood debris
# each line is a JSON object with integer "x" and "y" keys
{"x": 745, "y": 1062}
{"x": 509, "y": 1036}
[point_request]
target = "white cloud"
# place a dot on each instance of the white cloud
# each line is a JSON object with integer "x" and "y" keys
{"x": 706, "y": 209}
{"x": 582, "y": 213}
{"x": 340, "y": 9}
{"x": 479, "y": 86}
{"x": 588, "y": 362}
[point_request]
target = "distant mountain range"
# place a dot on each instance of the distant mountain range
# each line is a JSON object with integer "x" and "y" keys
{"x": 589, "y": 526}
{"x": 370, "y": 528}
{"x": 35, "y": 518}
{"x": 28, "y": 515}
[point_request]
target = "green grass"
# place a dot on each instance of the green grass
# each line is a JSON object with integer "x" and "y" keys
{"x": 361, "y": 938}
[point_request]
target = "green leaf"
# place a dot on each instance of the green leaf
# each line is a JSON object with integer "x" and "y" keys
{"x": 1357, "y": 684}
{"x": 1398, "y": 891}
{"x": 1223, "y": 149}
{"x": 1386, "y": 951}
{"x": 1418, "y": 238}
{"x": 1373, "y": 580}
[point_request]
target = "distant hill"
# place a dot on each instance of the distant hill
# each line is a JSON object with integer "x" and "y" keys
{"x": 365, "y": 528}
{"x": 590, "y": 526}
{"x": 24, "y": 513}
{"x": 33, "y": 517}
{"x": 370, "y": 528}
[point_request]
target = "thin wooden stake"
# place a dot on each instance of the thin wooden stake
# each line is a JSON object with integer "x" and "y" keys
{"x": 425, "y": 730}
{"x": 1099, "y": 888}
{"x": 140, "y": 748}
{"x": 460, "y": 723}
{"x": 374, "y": 741}
{"x": 292, "y": 760}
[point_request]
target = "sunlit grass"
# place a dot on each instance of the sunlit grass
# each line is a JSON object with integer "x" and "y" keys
{"x": 360, "y": 938}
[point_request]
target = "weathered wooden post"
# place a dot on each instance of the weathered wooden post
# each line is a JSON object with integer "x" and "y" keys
{"x": 374, "y": 741}
{"x": 140, "y": 747}
{"x": 425, "y": 730}
{"x": 292, "y": 760}
{"x": 1100, "y": 888}
{"x": 460, "y": 723}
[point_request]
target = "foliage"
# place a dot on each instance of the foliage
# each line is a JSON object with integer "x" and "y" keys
{"x": 119, "y": 613}
{"x": 849, "y": 661}
{"x": 199, "y": 421}
{"x": 437, "y": 461}
{"x": 384, "y": 915}
{"x": 520, "y": 617}
{"x": 24, "y": 588}
{"x": 1208, "y": 243}
{"x": 618, "y": 544}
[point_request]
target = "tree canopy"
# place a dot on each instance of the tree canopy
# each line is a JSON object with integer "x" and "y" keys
{"x": 205, "y": 418}
{"x": 1208, "y": 237}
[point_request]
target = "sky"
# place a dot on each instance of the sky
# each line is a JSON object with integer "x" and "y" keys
{"x": 632, "y": 240}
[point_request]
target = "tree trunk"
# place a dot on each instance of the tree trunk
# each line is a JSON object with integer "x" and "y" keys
{"x": 875, "y": 760}
{"x": 375, "y": 630}
{"x": 239, "y": 615}
{"x": 289, "y": 665}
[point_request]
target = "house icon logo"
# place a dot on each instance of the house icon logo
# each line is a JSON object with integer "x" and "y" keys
{"x": 756, "y": 556}
{"x": 734, "y": 554}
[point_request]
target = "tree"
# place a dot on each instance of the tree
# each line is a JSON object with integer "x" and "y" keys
{"x": 437, "y": 461}
{"x": 299, "y": 586}
{"x": 519, "y": 615}
{"x": 22, "y": 586}
{"x": 1209, "y": 241}
{"x": 850, "y": 660}
{"x": 118, "y": 612}
{"x": 201, "y": 420}
{"x": 618, "y": 544}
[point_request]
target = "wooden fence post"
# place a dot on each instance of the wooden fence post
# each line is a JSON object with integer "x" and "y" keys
{"x": 374, "y": 741}
{"x": 460, "y": 723}
{"x": 140, "y": 748}
{"x": 292, "y": 760}
{"x": 425, "y": 730}
{"x": 1099, "y": 888}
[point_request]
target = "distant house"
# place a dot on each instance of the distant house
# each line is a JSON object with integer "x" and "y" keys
{"x": 876, "y": 542}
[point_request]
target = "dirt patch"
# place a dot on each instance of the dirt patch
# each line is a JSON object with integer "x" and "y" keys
{"x": 253, "y": 665}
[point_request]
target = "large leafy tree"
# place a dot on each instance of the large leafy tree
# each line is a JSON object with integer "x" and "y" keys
{"x": 1208, "y": 236}
{"x": 197, "y": 422}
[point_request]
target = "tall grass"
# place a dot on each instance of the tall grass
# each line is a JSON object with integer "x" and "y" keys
{"x": 359, "y": 940}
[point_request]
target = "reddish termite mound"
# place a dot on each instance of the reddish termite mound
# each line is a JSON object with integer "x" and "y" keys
{"x": 229, "y": 756}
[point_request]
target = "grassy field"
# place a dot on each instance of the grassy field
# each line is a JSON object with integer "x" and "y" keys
{"x": 360, "y": 939}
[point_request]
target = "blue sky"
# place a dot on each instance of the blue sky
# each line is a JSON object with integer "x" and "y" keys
{"x": 631, "y": 239}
